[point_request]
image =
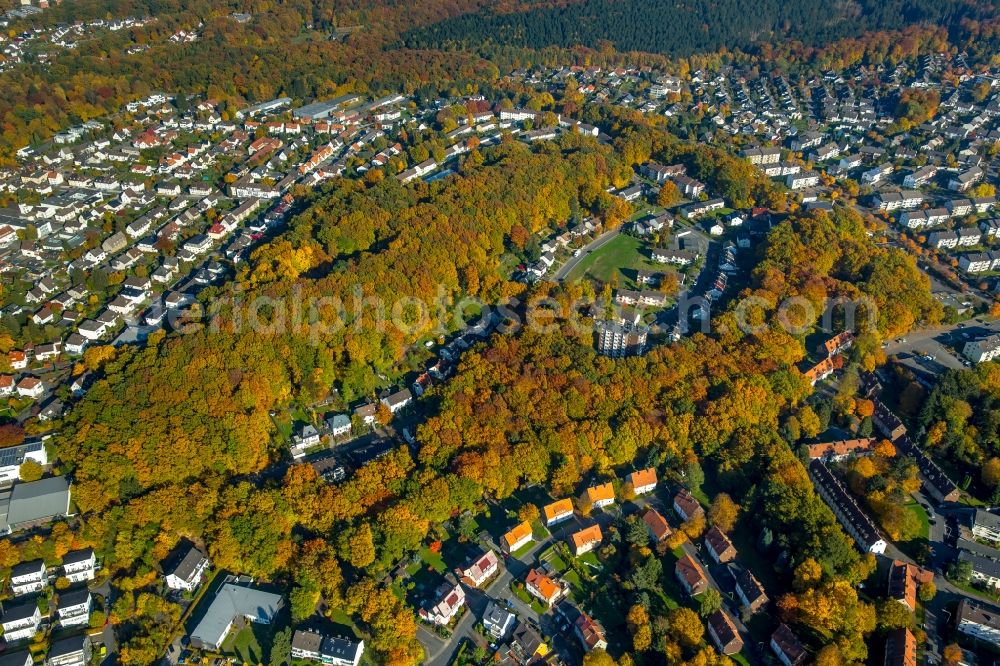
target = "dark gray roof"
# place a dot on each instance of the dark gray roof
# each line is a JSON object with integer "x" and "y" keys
{"x": 308, "y": 641}
{"x": 986, "y": 519}
{"x": 75, "y": 597}
{"x": 341, "y": 648}
{"x": 186, "y": 567}
{"x": 980, "y": 565}
{"x": 38, "y": 500}
{"x": 25, "y": 568}
{"x": 76, "y": 556}
{"x": 66, "y": 646}
{"x": 22, "y": 658}
{"x": 21, "y": 611}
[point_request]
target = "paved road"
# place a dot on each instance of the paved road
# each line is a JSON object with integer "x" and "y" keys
{"x": 944, "y": 343}
{"x": 595, "y": 244}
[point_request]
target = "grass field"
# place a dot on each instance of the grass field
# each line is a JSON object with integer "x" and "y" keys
{"x": 921, "y": 514}
{"x": 619, "y": 257}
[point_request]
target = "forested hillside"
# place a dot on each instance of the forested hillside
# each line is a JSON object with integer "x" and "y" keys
{"x": 682, "y": 28}
{"x": 168, "y": 443}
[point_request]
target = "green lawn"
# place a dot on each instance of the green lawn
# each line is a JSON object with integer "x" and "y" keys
{"x": 245, "y": 646}
{"x": 591, "y": 560}
{"x": 523, "y": 550}
{"x": 538, "y": 531}
{"x": 740, "y": 659}
{"x": 619, "y": 258}
{"x": 553, "y": 558}
{"x": 921, "y": 514}
{"x": 433, "y": 560}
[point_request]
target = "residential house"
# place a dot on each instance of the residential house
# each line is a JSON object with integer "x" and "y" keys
{"x": 656, "y": 525}
{"x": 719, "y": 546}
{"x": 686, "y": 506}
{"x": 854, "y": 521}
{"x": 339, "y": 425}
{"x": 498, "y": 621}
{"x": 690, "y": 575}
{"x": 986, "y": 525}
{"x": 335, "y": 650}
{"x": 590, "y": 632}
{"x": 341, "y": 651}
{"x": 748, "y": 589}
{"x": 31, "y": 387}
{"x": 79, "y": 565}
{"x": 12, "y": 457}
{"x": 722, "y": 630}
{"x": 522, "y": 648}
{"x": 842, "y": 450}
{"x": 966, "y": 179}
{"x": 982, "y": 350}
{"x": 71, "y": 651}
{"x": 643, "y": 481}
{"x": 787, "y": 647}
{"x": 543, "y": 587}
{"x": 586, "y": 540}
{"x": 479, "y": 568}
{"x": 234, "y": 600}
{"x": 449, "y": 599}
{"x": 74, "y": 607}
{"x": 398, "y": 400}
{"x": 600, "y": 496}
{"x": 306, "y": 644}
{"x": 21, "y": 658}
{"x": 20, "y": 620}
{"x": 900, "y": 648}
{"x": 978, "y": 622}
{"x": 517, "y": 537}
{"x": 28, "y": 577}
{"x": 904, "y": 582}
{"x": 799, "y": 181}
{"x": 557, "y": 512}
{"x": 188, "y": 568}
{"x": 984, "y": 570}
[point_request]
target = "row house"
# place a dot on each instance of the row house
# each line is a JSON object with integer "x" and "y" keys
{"x": 921, "y": 219}
{"x": 722, "y": 630}
{"x": 20, "y": 621}
{"x": 719, "y": 546}
{"x": 854, "y": 521}
{"x": 920, "y": 177}
{"x": 28, "y": 578}
{"x": 898, "y": 200}
{"x": 749, "y": 590}
{"x": 760, "y": 156}
{"x": 979, "y": 262}
{"x": 842, "y": 449}
{"x": 966, "y": 179}
{"x": 965, "y": 237}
